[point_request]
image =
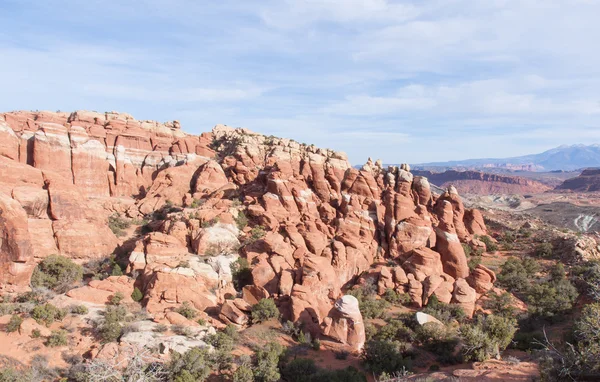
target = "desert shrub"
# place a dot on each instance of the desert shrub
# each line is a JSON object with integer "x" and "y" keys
{"x": 527, "y": 341}
{"x": 256, "y": 233}
{"x": 116, "y": 270}
{"x": 316, "y": 344}
{"x": 587, "y": 278}
{"x": 490, "y": 245}
{"x": 36, "y": 295}
{"x": 35, "y": 333}
{"x": 224, "y": 340}
{"x": 264, "y": 310}
{"x": 12, "y": 375}
{"x": 118, "y": 224}
{"x": 369, "y": 305}
{"x": 57, "y": 273}
{"x": 160, "y": 328}
{"x": 111, "y": 328}
{"x": 116, "y": 299}
{"x": 78, "y": 309}
{"x": 467, "y": 249}
{"x": 396, "y": 298}
{"x": 210, "y": 223}
{"x": 14, "y": 324}
{"x": 243, "y": 374}
{"x": 384, "y": 356}
{"x": 186, "y": 310}
{"x": 553, "y": 297}
{"x": 182, "y": 330}
{"x": 474, "y": 261}
{"x": 46, "y": 314}
{"x": 395, "y": 330}
{"x": 581, "y": 359}
{"x": 196, "y": 203}
{"x": 241, "y": 220}
{"x": 266, "y": 365}
{"x": 516, "y": 274}
{"x": 57, "y": 338}
{"x": 341, "y": 354}
{"x": 137, "y": 295}
{"x": 486, "y": 337}
{"x": 544, "y": 250}
{"x": 241, "y": 273}
{"x": 7, "y": 308}
{"x": 440, "y": 340}
{"x": 299, "y": 370}
{"x": 444, "y": 312}
{"x": 193, "y": 365}
{"x": 500, "y": 304}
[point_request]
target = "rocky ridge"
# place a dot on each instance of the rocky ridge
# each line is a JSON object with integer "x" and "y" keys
{"x": 322, "y": 225}
{"x": 481, "y": 183}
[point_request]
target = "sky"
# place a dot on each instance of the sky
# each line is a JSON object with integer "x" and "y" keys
{"x": 401, "y": 81}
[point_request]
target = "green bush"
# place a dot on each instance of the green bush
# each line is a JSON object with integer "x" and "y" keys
{"x": 118, "y": 224}
{"x": 46, "y": 314}
{"x": 516, "y": 274}
{"x": 300, "y": 370}
{"x": 544, "y": 250}
{"x": 137, "y": 295}
{"x": 241, "y": 220}
{"x": 256, "y": 233}
{"x": 243, "y": 374}
{"x": 116, "y": 270}
{"x": 264, "y": 310}
{"x": 370, "y": 306}
{"x": 501, "y": 304}
{"x": 111, "y": 329}
{"x": 116, "y": 299}
{"x": 241, "y": 273}
{"x": 14, "y": 324}
{"x": 35, "y": 333}
{"x": 396, "y": 298}
{"x": 194, "y": 365}
{"x": 580, "y": 360}
{"x": 79, "y": 309}
{"x": 474, "y": 261}
{"x": 486, "y": 337}
{"x": 186, "y": 310}
{"x": 395, "y": 330}
{"x": 440, "y": 340}
{"x": 57, "y": 338}
{"x": 12, "y": 375}
{"x": 587, "y": 277}
{"x": 384, "y": 356}
{"x": 266, "y": 364}
{"x": 549, "y": 299}
{"x": 490, "y": 245}
{"x": 57, "y": 273}
{"x": 444, "y": 312}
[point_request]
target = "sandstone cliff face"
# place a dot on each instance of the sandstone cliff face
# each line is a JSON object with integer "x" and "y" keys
{"x": 325, "y": 223}
{"x": 587, "y": 181}
{"x": 481, "y": 183}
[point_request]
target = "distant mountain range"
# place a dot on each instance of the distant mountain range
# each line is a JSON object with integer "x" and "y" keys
{"x": 567, "y": 158}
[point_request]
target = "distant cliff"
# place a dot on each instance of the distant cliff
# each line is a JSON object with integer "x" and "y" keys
{"x": 588, "y": 181}
{"x": 481, "y": 183}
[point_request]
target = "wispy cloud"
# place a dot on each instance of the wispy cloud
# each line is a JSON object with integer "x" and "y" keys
{"x": 402, "y": 80}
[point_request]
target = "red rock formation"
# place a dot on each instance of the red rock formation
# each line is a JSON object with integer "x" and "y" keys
{"x": 482, "y": 183}
{"x": 325, "y": 222}
{"x": 587, "y": 181}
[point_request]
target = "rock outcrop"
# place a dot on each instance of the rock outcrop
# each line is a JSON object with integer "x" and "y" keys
{"x": 483, "y": 183}
{"x": 307, "y": 222}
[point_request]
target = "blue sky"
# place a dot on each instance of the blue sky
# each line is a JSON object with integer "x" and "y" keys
{"x": 404, "y": 81}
